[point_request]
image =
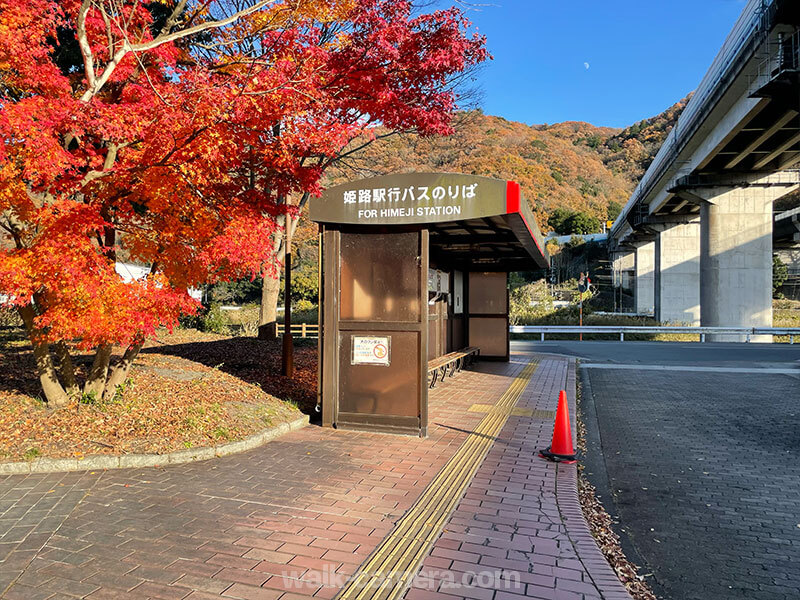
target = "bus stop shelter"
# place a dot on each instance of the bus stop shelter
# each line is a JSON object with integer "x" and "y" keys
{"x": 413, "y": 267}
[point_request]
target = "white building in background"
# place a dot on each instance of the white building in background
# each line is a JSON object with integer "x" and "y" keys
{"x": 132, "y": 272}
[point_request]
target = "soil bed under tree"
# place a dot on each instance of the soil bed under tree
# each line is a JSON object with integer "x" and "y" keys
{"x": 187, "y": 389}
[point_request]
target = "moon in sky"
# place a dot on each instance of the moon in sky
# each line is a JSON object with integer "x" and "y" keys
{"x": 586, "y": 65}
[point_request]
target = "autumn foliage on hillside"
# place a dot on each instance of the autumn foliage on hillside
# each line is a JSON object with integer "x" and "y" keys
{"x": 573, "y": 165}
{"x": 174, "y": 131}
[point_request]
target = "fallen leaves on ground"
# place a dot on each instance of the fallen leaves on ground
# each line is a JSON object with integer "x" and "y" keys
{"x": 187, "y": 389}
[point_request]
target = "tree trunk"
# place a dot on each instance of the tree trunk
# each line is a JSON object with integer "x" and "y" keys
{"x": 271, "y": 288}
{"x": 48, "y": 377}
{"x": 120, "y": 371}
{"x": 67, "y": 369}
{"x": 96, "y": 382}
{"x": 270, "y": 291}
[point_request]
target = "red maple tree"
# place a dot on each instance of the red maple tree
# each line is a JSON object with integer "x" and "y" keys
{"x": 171, "y": 132}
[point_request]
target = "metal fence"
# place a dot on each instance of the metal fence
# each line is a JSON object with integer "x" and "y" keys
{"x": 740, "y": 332}
{"x": 311, "y": 330}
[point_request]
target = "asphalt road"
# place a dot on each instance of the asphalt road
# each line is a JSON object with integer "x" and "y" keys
{"x": 696, "y": 450}
{"x": 673, "y": 353}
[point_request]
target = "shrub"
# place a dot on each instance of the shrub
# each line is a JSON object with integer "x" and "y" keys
{"x": 9, "y": 317}
{"x": 213, "y": 321}
{"x": 251, "y": 319}
{"x": 780, "y": 273}
{"x": 305, "y": 312}
{"x": 529, "y": 302}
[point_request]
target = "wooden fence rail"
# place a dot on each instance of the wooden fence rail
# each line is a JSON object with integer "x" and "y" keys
{"x": 303, "y": 330}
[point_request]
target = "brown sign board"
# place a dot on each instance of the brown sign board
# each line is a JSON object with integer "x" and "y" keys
{"x": 409, "y": 199}
{"x": 429, "y": 198}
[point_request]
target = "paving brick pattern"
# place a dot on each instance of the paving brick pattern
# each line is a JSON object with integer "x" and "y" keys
{"x": 295, "y": 518}
{"x": 519, "y": 531}
{"x": 705, "y": 475}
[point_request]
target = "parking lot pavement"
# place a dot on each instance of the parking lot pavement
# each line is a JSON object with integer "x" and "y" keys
{"x": 704, "y": 475}
{"x": 672, "y": 353}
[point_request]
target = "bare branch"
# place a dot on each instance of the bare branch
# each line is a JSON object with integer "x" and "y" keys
{"x": 109, "y": 34}
{"x": 108, "y": 163}
{"x": 173, "y": 18}
{"x": 171, "y": 37}
{"x": 39, "y": 199}
{"x": 96, "y": 84}
{"x": 83, "y": 42}
{"x": 150, "y": 81}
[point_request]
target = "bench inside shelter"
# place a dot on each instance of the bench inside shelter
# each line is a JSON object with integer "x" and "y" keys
{"x": 452, "y": 363}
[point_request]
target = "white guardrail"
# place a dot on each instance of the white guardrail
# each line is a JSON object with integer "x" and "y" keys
{"x": 747, "y": 332}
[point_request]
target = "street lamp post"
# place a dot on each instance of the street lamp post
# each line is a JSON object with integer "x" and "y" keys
{"x": 287, "y": 355}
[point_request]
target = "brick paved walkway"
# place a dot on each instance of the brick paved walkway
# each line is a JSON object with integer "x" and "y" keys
{"x": 509, "y": 519}
{"x": 295, "y": 518}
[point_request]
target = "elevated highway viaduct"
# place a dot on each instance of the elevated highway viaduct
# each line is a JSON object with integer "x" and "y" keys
{"x": 699, "y": 226}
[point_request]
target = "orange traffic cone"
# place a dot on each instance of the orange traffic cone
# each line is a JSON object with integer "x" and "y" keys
{"x": 561, "y": 449}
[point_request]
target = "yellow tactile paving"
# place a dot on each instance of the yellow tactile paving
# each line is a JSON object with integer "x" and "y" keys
{"x": 388, "y": 571}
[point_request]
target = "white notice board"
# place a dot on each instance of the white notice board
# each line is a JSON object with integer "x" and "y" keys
{"x": 371, "y": 350}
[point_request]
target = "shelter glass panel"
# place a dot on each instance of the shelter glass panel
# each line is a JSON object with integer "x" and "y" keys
{"x": 437, "y": 329}
{"x": 380, "y": 277}
{"x": 487, "y": 293}
{"x": 433, "y": 346}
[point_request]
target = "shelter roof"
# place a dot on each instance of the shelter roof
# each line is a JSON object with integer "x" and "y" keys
{"x": 473, "y": 221}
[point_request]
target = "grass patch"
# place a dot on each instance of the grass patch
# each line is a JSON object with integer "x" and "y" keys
{"x": 569, "y": 316}
{"x": 31, "y": 453}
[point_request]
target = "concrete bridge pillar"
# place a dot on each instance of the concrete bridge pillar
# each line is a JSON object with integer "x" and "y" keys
{"x": 736, "y": 252}
{"x": 645, "y": 277}
{"x": 623, "y": 263}
{"x": 623, "y": 270}
{"x": 677, "y": 272}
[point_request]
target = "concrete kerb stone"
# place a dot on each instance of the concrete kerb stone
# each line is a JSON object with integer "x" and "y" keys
{"x": 191, "y": 455}
{"x": 15, "y": 468}
{"x": 127, "y": 461}
{"x": 49, "y": 465}
{"x": 574, "y": 521}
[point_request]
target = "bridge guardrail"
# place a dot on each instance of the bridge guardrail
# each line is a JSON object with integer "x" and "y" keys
{"x": 623, "y": 329}
{"x": 752, "y": 26}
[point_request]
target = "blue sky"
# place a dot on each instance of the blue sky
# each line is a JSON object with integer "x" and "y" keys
{"x": 642, "y": 56}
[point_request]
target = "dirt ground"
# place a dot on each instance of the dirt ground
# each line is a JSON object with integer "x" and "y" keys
{"x": 187, "y": 389}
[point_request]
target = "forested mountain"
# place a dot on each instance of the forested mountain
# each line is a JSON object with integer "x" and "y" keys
{"x": 571, "y": 165}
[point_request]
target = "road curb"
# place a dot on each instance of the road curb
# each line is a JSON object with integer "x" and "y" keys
{"x": 572, "y": 518}
{"x": 130, "y": 461}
